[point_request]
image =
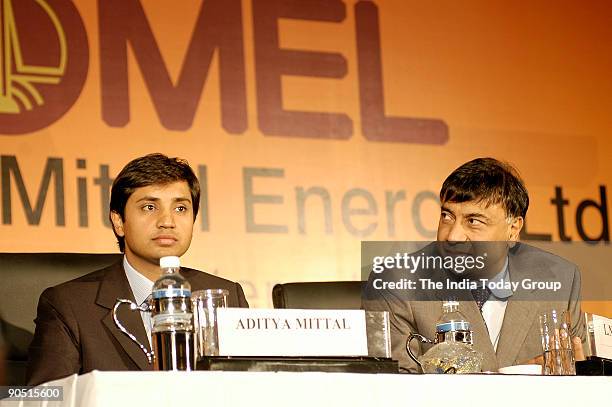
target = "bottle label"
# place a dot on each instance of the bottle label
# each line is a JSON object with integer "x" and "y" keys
{"x": 171, "y": 292}
{"x": 173, "y": 319}
{"x": 453, "y": 326}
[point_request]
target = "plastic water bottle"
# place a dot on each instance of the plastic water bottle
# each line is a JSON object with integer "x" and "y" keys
{"x": 171, "y": 316}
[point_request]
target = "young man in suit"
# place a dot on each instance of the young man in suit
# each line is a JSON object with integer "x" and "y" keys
{"x": 153, "y": 207}
{"x": 485, "y": 200}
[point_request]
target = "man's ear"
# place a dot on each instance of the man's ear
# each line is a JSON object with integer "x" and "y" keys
{"x": 117, "y": 222}
{"x": 516, "y": 226}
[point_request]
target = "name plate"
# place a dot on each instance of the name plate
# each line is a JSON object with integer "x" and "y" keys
{"x": 600, "y": 335}
{"x": 291, "y": 332}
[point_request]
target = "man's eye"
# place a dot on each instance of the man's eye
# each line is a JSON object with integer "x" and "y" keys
{"x": 181, "y": 209}
{"x": 475, "y": 222}
{"x": 445, "y": 216}
{"x": 148, "y": 207}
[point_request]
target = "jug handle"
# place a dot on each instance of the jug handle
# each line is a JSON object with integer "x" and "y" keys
{"x": 422, "y": 339}
{"x": 133, "y": 307}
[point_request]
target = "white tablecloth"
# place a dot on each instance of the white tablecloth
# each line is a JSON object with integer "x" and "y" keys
{"x": 216, "y": 389}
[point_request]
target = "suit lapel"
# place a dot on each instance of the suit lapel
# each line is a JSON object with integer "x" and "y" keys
{"x": 115, "y": 285}
{"x": 482, "y": 343}
{"x": 522, "y": 308}
{"x": 517, "y": 321}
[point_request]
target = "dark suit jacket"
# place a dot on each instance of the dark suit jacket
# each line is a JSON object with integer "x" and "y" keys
{"x": 75, "y": 332}
{"x": 520, "y": 333}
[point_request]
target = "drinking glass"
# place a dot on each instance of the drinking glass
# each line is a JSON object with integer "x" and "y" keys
{"x": 557, "y": 343}
{"x": 205, "y": 304}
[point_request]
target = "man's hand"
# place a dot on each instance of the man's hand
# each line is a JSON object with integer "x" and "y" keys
{"x": 578, "y": 351}
{"x": 538, "y": 360}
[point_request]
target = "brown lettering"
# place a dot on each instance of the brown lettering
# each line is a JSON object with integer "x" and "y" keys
{"x": 375, "y": 125}
{"x": 271, "y": 63}
{"x": 218, "y": 27}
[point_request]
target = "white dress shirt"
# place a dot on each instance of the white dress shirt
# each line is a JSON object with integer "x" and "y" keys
{"x": 494, "y": 308}
{"x": 141, "y": 288}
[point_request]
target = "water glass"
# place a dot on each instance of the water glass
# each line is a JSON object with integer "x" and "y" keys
{"x": 205, "y": 304}
{"x": 555, "y": 330}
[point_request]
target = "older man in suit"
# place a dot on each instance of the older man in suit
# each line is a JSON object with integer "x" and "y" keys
{"x": 485, "y": 200}
{"x": 154, "y": 204}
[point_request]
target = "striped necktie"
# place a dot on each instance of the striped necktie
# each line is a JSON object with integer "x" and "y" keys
{"x": 481, "y": 295}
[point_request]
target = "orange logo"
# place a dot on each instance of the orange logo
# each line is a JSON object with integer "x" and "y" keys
{"x": 43, "y": 62}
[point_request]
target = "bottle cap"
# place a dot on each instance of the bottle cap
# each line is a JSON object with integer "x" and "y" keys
{"x": 169, "y": 261}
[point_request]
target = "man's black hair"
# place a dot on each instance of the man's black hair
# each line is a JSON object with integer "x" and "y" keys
{"x": 489, "y": 181}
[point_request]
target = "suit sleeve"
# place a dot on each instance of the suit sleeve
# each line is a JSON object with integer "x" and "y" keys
{"x": 242, "y": 301}
{"x": 54, "y": 351}
{"x": 402, "y": 324}
{"x": 575, "y": 309}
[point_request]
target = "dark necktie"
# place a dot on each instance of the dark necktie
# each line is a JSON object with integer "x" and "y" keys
{"x": 481, "y": 295}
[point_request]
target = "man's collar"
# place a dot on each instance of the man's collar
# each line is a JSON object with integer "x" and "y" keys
{"x": 141, "y": 286}
{"x": 503, "y": 276}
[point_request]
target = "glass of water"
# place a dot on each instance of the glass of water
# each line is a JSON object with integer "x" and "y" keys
{"x": 205, "y": 305}
{"x": 555, "y": 329}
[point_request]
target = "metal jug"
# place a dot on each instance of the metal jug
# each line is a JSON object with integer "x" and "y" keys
{"x": 171, "y": 332}
{"x": 453, "y": 350}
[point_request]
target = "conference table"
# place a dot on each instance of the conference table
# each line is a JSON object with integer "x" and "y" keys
{"x": 215, "y": 388}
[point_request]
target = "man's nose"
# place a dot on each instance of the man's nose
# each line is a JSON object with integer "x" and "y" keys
{"x": 166, "y": 219}
{"x": 457, "y": 233}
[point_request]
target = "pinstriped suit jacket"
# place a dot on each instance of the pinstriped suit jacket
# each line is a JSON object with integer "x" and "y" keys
{"x": 520, "y": 335}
